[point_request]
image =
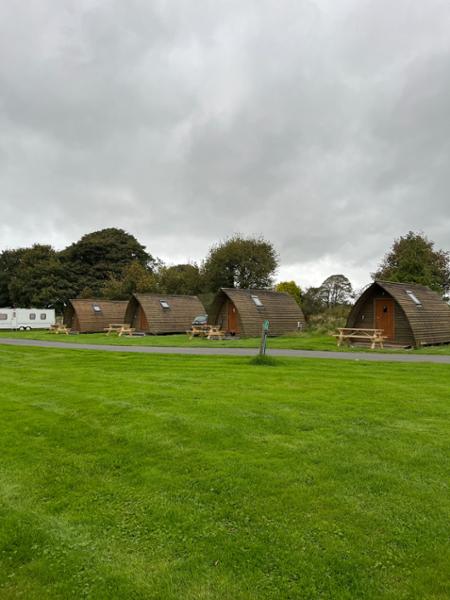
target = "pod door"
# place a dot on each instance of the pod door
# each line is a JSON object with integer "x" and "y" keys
{"x": 384, "y": 316}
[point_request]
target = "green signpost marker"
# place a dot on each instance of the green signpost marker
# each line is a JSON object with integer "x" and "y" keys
{"x": 265, "y": 331}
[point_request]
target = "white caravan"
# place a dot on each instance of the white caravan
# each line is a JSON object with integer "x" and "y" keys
{"x": 26, "y": 319}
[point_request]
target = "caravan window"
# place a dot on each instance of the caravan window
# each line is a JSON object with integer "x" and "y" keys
{"x": 32, "y": 316}
{"x": 3, "y": 317}
{"x": 43, "y": 316}
{"x": 164, "y": 304}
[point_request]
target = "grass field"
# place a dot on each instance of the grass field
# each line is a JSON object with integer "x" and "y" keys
{"x": 302, "y": 341}
{"x": 165, "y": 477}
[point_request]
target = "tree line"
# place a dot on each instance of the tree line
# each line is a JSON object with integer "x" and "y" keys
{"x": 113, "y": 264}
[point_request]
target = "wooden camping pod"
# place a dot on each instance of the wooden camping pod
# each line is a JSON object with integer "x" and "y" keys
{"x": 163, "y": 313}
{"x": 410, "y": 314}
{"x": 243, "y": 312}
{"x": 93, "y": 315}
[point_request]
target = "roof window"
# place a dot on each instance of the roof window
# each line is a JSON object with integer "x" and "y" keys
{"x": 97, "y": 308}
{"x": 164, "y": 304}
{"x": 257, "y": 301}
{"x": 414, "y": 298}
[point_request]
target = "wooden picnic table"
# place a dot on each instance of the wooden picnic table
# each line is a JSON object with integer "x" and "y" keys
{"x": 208, "y": 331}
{"x": 59, "y": 328}
{"x": 215, "y": 333}
{"x": 120, "y": 329}
{"x": 374, "y": 336}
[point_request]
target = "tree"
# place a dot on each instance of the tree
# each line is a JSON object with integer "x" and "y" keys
{"x": 335, "y": 290}
{"x": 312, "y": 302}
{"x": 291, "y": 288}
{"x": 40, "y": 279}
{"x": 413, "y": 259}
{"x": 241, "y": 263}
{"x": 135, "y": 278}
{"x": 9, "y": 263}
{"x": 180, "y": 279}
{"x": 99, "y": 256}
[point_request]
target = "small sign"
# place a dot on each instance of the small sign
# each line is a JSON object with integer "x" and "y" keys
{"x": 266, "y": 325}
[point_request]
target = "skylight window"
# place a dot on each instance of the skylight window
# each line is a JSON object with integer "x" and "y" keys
{"x": 164, "y": 304}
{"x": 414, "y": 298}
{"x": 97, "y": 308}
{"x": 257, "y": 301}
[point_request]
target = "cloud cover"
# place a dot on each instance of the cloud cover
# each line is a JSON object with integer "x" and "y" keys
{"x": 320, "y": 124}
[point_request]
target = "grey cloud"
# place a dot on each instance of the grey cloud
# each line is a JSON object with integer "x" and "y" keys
{"x": 321, "y": 125}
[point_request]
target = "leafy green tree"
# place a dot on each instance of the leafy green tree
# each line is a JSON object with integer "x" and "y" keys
{"x": 99, "y": 256}
{"x": 413, "y": 259}
{"x": 336, "y": 290}
{"x": 135, "y": 278}
{"x": 312, "y": 302}
{"x": 290, "y": 287}
{"x": 40, "y": 279}
{"x": 180, "y": 279}
{"x": 241, "y": 263}
{"x": 9, "y": 263}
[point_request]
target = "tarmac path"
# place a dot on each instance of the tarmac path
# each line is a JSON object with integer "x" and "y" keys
{"x": 352, "y": 356}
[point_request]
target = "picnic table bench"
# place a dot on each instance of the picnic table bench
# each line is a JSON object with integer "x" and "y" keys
{"x": 120, "y": 329}
{"x": 374, "y": 336}
{"x": 59, "y": 328}
{"x": 215, "y": 333}
{"x": 210, "y": 332}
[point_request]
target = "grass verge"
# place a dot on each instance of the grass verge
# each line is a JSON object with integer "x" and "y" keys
{"x": 165, "y": 477}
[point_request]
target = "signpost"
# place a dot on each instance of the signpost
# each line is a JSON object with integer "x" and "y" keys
{"x": 265, "y": 331}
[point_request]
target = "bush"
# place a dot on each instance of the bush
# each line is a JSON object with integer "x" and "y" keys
{"x": 328, "y": 320}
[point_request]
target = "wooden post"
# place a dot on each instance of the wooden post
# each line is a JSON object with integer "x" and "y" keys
{"x": 263, "y": 345}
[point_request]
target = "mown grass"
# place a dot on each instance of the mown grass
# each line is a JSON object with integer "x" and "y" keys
{"x": 309, "y": 340}
{"x": 165, "y": 477}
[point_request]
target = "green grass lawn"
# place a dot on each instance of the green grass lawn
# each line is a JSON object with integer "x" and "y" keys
{"x": 165, "y": 477}
{"x": 308, "y": 340}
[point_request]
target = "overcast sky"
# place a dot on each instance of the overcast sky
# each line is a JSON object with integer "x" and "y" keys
{"x": 322, "y": 125}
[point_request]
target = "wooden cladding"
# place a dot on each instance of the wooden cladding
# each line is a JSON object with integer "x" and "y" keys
{"x": 420, "y": 317}
{"x": 237, "y": 312}
{"x": 159, "y": 314}
{"x": 93, "y": 315}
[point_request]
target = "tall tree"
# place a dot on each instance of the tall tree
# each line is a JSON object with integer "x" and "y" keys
{"x": 9, "y": 263}
{"x": 413, "y": 259}
{"x": 99, "y": 256}
{"x": 291, "y": 288}
{"x": 336, "y": 290}
{"x": 240, "y": 262}
{"x": 180, "y": 279}
{"x": 135, "y": 278}
{"x": 40, "y": 279}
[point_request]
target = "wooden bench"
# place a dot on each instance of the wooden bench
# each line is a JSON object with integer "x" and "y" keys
{"x": 120, "y": 329}
{"x": 374, "y": 336}
{"x": 215, "y": 333}
{"x": 198, "y": 331}
{"x": 210, "y": 332}
{"x": 58, "y": 328}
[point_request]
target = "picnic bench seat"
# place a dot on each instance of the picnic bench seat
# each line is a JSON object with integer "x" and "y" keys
{"x": 120, "y": 329}
{"x": 374, "y": 336}
{"x": 210, "y": 332}
{"x": 59, "y": 328}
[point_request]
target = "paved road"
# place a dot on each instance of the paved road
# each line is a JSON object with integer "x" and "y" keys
{"x": 355, "y": 356}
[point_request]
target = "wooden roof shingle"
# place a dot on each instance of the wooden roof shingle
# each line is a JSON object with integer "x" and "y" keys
{"x": 81, "y": 316}
{"x": 281, "y": 309}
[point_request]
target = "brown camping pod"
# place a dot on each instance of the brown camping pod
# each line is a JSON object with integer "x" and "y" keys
{"x": 243, "y": 312}
{"x": 93, "y": 315}
{"x": 410, "y": 314}
{"x": 163, "y": 313}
